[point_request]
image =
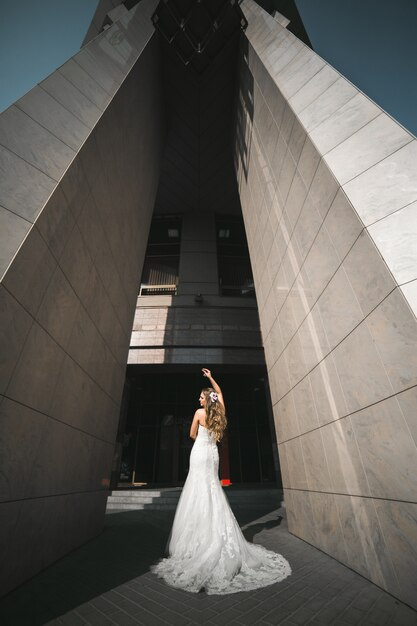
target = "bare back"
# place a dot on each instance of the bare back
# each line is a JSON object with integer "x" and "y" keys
{"x": 199, "y": 418}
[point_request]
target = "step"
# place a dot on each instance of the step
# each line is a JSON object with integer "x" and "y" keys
{"x": 154, "y": 506}
{"x": 166, "y": 499}
{"x": 132, "y": 501}
{"x": 145, "y": 494}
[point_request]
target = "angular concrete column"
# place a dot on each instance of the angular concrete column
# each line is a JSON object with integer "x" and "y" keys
{"x": 328, "y": 188}
{"x": 79, "y": 159}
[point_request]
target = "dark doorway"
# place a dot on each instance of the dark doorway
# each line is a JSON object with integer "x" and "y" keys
{"x": 161, "y": 404}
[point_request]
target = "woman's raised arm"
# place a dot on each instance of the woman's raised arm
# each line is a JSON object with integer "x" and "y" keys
{"x": 216, "y": 386}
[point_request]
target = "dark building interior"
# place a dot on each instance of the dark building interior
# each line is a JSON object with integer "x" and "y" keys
{"x": 198, "y": 46}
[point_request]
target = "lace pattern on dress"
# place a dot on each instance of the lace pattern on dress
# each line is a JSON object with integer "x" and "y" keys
{"x": 207, "y": 549}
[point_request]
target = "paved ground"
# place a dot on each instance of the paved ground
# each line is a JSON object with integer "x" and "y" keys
{"x": 107, "y": 582}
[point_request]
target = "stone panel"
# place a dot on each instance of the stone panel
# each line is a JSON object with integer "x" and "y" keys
{"x": 69, "y": 293}
{"x": 85, "y": 83}
{"x": 29, "y": 275}
{"x": 24, "y": 189}
{"x": 14, "y": 230}
{"x": 398, "y": 523}
{"x": 340, "y": 350}
{"x": 51, "y": 527}
{"x": 367, "y": 551}
{"x": 44, "y": 151}
{"x": 55, "y": 117}
{"x": 395, "y": 237}
{"x": 380, "y": 431}
{"x": 16, "y": 324}
{"x": 387, "y": 186}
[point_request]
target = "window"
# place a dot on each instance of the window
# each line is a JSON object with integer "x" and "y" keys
{"x": 235, "y": 272}
{"x": 160, "y": 268}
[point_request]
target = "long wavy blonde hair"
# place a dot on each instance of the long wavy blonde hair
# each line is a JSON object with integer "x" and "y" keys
{"x": 216, "y": 420}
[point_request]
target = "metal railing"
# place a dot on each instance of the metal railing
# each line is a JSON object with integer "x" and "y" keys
{"x": 157, "y": 290}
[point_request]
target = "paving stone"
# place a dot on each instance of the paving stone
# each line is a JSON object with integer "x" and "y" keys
{"x": 98, "y": 619}
{"x": 293, "y": 604}
{"x": 174, "y": 619}
{"x": 252, "y": 617}
{"x": 365, "y": 600}
{"x": 200, "y": 617}
{"x": 247, "y": 604}
{"x": 123, "y": 619}
{"x": 129, "y": 606}
{"x": 72, "y": 619}
{"x": 404, "y": 616}
{"x": 149, "y": 605}
{"x": 352, "y": 615}
{"x": 302, "y": 616}
{"x": 146, "y": 619}
{"x": 377, "y": 617}
{"x": 276, "y": 617}
{"x": 110, "y": 585}
{"x": 86, "y": 609}
{"x": 104, "y": 605}
{"x": 225, "y": 617}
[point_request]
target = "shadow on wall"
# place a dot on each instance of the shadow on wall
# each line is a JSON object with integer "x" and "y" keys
{"x": 244, "y": 112}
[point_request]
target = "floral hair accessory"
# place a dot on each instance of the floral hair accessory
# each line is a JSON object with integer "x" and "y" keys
{"x": 213, "y": 396}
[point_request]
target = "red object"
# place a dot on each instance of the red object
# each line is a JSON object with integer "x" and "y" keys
{"x": 225, "y": 462}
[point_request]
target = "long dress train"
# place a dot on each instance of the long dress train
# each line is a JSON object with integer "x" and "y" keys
{"x": 207, "y": 549}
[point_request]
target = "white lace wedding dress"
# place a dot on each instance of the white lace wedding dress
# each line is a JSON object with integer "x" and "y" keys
{"x": 207, "y": 549}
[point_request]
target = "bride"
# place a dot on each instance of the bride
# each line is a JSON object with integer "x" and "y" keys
{"x": 207, "y": 549}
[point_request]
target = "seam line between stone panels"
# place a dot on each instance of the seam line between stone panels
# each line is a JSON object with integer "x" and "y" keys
{"x": 60, "y": 347}
{"x": 287, "y": 100}
{"x": 395, "y": 286}
{"x": 16, "y": 252}
{"x": 118, "y": 84}
{"x": 30, "y": 164}
{"x": 342, "y": 417}
{"x": 48, "y": 130}
{"x": 17, "y": 214}
{"x": 81, "y": 302}
{"x": 71, "y": 112}
{"x": 54, "y": 495}
{"x": 55, "y": 419}
{"x": 388, "y": 555}
{"x": 77, "y": 87}
{"x": 93, "y": 262}
{"x": 374, "y": 164}
{"x": 301, "y": 267}
{"x": 339, "y": 75}
{"x": 352, "y": 495}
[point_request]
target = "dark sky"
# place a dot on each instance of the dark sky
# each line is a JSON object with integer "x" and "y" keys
{"x": 374, "y": 44}
{"x": 36, "y": 37}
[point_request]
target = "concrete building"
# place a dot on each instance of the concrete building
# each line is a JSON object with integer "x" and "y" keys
{"x": 124, "y": 141}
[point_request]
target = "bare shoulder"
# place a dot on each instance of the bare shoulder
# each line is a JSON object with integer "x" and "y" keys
{"x": 200, "y": 416}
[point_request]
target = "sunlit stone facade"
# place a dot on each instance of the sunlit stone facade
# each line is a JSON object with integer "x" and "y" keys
{"x": 327, "y": 185}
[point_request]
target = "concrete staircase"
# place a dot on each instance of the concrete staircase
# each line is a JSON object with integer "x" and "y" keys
{"x": 166, "y": 499}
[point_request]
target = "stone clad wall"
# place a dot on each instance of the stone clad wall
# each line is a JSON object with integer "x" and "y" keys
{"x": 328, "y": 188}
{"x": 186, "y": 333}
{"x": 79, "y": 160}
{"x": 178, "y": 330}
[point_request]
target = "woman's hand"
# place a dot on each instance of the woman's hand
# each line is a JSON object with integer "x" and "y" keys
{"x": 216, "y": 387}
